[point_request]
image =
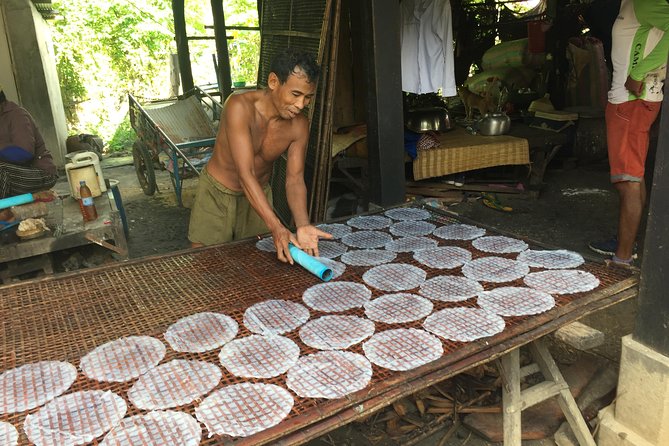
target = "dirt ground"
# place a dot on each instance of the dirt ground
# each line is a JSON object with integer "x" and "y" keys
{"x": 576, "y": 205}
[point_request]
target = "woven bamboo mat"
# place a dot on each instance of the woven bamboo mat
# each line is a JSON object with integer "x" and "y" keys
{"x": 461, "y": 151}
{"x": 66, "y": 316}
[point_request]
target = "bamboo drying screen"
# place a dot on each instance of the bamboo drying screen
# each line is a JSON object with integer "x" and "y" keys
{"x": 65, "y": 317}
{"x": 459, "y": 152}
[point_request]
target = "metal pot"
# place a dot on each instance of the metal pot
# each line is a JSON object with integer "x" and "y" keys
{"x": 493, "y": 124}
{"x": 431, "y": 119}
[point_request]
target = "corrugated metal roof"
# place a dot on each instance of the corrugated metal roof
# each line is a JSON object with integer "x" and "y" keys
{"x": 45, "y": 7}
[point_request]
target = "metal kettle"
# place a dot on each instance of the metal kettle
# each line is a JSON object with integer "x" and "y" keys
{"x": 494, "y": 124}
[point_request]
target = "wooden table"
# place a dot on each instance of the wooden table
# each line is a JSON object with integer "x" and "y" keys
{"x": 68, "y": 230}
{"x": 66, "y": 316}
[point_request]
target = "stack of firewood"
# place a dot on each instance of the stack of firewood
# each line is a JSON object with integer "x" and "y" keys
{"x": 415, "y": 417}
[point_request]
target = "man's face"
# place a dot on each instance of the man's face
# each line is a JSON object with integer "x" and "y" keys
{"x": 293, "y": 95}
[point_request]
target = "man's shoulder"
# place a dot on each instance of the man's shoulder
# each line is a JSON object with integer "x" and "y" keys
{"x": 12, "y": 110}
{"x": 9, "y": 106}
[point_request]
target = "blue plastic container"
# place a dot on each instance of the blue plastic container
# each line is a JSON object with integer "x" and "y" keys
{"x": 16, "y": 200}
{"x": 310, "y": 263}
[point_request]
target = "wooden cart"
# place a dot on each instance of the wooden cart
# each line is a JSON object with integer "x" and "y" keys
{"x": 177, "y": 134}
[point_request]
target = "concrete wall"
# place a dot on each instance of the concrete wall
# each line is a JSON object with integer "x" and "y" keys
{"x": 28, "y": 71}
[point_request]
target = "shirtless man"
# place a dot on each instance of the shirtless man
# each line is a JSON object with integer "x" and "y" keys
{"x": 233, "y": 200}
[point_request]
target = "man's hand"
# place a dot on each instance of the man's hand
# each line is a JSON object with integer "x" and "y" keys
{"x": 635, "y": 87}
{"x": 308, "y": 236}
{"x": 282, "y": 237}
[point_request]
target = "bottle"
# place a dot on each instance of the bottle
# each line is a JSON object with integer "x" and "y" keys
{"x": 86, "y": 204}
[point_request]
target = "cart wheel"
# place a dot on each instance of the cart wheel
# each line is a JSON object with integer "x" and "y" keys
{"x": 144, "y": 167}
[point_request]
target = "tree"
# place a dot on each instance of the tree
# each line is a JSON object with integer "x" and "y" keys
{"x": 106, "y": 49}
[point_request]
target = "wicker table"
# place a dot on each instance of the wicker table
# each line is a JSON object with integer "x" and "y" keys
{"x": 65, "y": 317}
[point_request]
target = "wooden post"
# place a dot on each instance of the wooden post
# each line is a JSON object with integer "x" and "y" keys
{"x": 385, "y": 122}
{"x": 224, "y": 77}
{"x": 651, "y": 327}
{"x": 182, "y": 45}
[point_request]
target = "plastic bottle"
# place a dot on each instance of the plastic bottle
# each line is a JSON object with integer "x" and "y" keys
{"x": 86, "y": 204}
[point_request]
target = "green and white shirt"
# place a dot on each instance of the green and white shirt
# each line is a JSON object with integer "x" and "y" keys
{"x": 640, "y": 48}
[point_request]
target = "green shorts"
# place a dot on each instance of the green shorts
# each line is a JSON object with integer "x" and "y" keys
{"x": 221, "y": 215}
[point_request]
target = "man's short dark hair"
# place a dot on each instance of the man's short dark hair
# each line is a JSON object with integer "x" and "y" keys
{"x": 284, "y": 64}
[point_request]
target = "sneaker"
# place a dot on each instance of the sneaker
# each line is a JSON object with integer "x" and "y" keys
{"x": 608, "y": 247}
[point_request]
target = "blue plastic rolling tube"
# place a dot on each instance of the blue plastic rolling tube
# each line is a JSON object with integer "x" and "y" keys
{"x": 16, "y": 200}
{"x": 310, "y": 263}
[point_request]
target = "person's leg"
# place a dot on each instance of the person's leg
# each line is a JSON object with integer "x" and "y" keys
{"x": 212, "y": 216}
{"x": 627, "y": 134}
{"x": 249, "y": 223}
{"x": 4, "y": 182}
{"x": 631, "y": 207}
{"x": 15, "y": 180}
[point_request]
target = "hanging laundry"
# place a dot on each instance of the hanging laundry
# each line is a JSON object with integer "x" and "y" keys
{"x": 427, "y": 47}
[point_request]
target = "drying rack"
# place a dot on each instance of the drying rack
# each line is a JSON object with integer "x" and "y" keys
{"x": 66, "y": 316}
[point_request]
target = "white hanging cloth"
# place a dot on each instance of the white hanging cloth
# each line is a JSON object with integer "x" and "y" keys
{"x": 427, "y": 47}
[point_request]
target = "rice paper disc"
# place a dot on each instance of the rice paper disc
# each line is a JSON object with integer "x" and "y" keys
{"x": 334, "y": 297}
{"x": 336, "y": 332}
{"x": 498, "y": 244}
{"x": 562, "y": 281}
{"x": 459, "y": 231}
{"x": 337, "y": 268}
{"x": 157, "y": 428}
{"x": 410, "y": 244}
{"x": 443, "y": 257}
{"x": 464, "y": 324}
{"x": 74, "y": 419}
{"x": 395, "y": 277}
{"x": 408, "y": 214}
{"x": 272, "y": 317}
{"x": 329, "y": 374}
{"x": 515, "y": 301}
{"x": 411, "y": 227}
{"x": 244, "y": 409}
{"x": 336, "y": 230}
{"x": 175, "y": 383}
{"x": 258, "y": 356}
{"x": 402, "y": 349}
{"x": 9, "y": 436}
{"x": 366, "y": 239}
{"x": 369, "y": 222}
{"x": 368, "y": 257}
{"x": 266, "y": 244}
{"x": 555, "y": 259}
{"x": 495, "y": 269}
{"x": 123, "y": 359}
{"x": 31, "y": 385}
{"x": 201, "y": 332}
{"x": 398, "y": 308}
{"x": 450, "y": 288}
{"x": 330, "y": 249}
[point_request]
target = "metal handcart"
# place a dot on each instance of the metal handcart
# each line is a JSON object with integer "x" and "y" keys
{"x": 177, "y": 134}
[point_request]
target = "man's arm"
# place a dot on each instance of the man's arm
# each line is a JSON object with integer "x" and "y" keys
{"x": 22, "y": 147}
{"x": 653, "y": 14}
{"x": 296, "y": 190}
{"x": 236, "y": 121}
{"x": 23, "y": 135}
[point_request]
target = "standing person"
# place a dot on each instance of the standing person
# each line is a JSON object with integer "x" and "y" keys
{"x": 234, "y": 199}
{"x": 639, "y": 52}
{"x": 25, "y": 163}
